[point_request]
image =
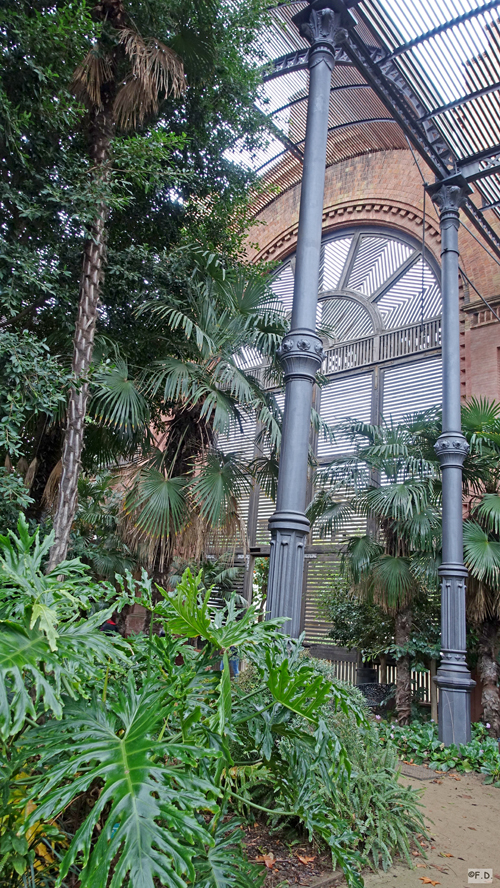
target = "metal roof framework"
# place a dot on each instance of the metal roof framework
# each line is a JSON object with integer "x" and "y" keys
{"x": 412, "y": 72}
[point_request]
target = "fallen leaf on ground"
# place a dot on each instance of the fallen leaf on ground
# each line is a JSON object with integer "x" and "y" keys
{"x": 472, "y": 827}
{"x": 267, "y": 859}
{"x": 427, "y": 881}
{"x": 442, "y": 869}
{"x": 305, "y": 860}
{"x": 444, "y": 854}
{"x": 422, "y": 865}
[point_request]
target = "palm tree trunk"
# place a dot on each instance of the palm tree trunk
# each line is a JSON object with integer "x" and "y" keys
{"x": 489, "y": 673}
{"x": 83, "y": 344}
{"x": 403, "y": 624}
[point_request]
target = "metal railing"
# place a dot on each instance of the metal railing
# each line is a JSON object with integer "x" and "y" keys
{"x": 399, "y": 343}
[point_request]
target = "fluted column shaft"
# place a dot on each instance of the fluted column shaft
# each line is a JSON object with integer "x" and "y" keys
{"x": 301, "y": 351}
{"x": 453, "y": 677}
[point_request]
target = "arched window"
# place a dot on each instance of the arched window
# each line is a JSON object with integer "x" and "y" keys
{"x": 379, "y": 314}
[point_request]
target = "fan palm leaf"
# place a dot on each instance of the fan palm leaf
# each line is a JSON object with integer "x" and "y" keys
{"x": 481, "y": 554}
{"x": 361, "y": 552}
{"x": 488, "y": 511}
{"x": 396, "y": 501}
{"x": 220, "y": 480}
{"x": 157, "y": 504}
{"x": 117, "y": 402}
{"x": 392, "y": 581}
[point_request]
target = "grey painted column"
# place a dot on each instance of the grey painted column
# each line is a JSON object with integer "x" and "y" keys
{"x": 453, "y": 677}
{"x": 301, "y": 352}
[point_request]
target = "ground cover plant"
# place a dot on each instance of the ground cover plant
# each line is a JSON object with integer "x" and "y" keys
{"x": 136, "y": 762}
{"x": 419, "y": 743}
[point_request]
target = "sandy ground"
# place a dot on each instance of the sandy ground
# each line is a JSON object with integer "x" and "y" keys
{"x": 463, "y": 819}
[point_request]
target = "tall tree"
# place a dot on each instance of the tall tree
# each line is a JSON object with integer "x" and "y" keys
{"x": 171, "y": 178}
{"x": 121, "y": 81}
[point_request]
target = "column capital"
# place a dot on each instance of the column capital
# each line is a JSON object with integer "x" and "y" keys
{"x": 449, "y": 194}
{"x": 324, "y": 24}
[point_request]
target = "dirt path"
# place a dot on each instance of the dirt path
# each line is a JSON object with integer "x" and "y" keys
{"x": 463, "y": 819}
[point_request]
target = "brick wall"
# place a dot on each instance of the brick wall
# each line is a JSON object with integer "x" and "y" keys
{"x": 385, "y": 189}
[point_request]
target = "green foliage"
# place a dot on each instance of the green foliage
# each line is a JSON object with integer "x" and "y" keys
{"x": 358, "y": 623}
{"x": 14, "y": 498}
{"x": 142, "y": 758}
{"x": 31, "y": 383}
{"x": 46, "y": 649}
{"x": 138, "y": 789}
{"x": 420, "y": 743}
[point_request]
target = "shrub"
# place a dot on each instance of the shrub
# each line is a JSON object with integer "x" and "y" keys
{"x": 146, "y": 755}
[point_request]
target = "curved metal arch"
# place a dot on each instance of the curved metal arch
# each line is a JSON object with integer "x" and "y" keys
{"x": 370, "y": 307}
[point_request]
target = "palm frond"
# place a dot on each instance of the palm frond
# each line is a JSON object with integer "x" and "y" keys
{"x": 265, "y": 471}
{"x": 156, "y": 71}
{"x": 328, "y": 512}
{"x": 397, "y": 501}
{"x": 392, "y": 581}
{"x": 488, "y": 511}
{"x": 481, "y": 554}
{"x": 117, "y": 402}
{"x": 175, "y": 318}
{"x": 221, "y": 479}
{"x": 157, "y": 503}
{"x": 89, "y": 77}
{"x": 361, "y": 552}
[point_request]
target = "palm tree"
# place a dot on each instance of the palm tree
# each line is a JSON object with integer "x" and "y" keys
{"x": 120, "y": 81}
{"x": 389, "y": 482}
{"x": 223, "y": 320}
{"x": 481, "y": 425}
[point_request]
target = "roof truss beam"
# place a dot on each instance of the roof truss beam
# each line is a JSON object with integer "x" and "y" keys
{"x": 396, "y": 94}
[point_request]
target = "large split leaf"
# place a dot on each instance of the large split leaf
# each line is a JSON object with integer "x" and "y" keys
{"x": 225, "y": 865}
{"x": 146, "y": 808}
{"x": 32, "y": 671}
{"x": 188, "y": 613}
{"x": 302, "y": 691}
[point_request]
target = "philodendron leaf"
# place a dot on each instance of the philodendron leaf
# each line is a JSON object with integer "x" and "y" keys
{"x": 33, "y": 673}
{"x": 225, "y": 865}
{"x": 188, "y": 613}
{"x": 146, "y": 808}
{"x": 302, "y": 691}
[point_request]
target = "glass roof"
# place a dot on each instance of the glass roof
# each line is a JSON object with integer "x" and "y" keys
{"x": 411, "y": 70}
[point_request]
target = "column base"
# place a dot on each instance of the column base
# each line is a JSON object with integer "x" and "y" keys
{"x": 455, "y": 685}
{"x": 284, "y": 597}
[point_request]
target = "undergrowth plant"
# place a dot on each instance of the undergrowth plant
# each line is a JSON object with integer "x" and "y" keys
{"x": 136, "y": 763}
{"x": 420, "y": 744}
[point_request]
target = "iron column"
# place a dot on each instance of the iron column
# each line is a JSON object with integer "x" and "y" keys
{"x": 453, "y": 677}
{"x": 301, "y": 351}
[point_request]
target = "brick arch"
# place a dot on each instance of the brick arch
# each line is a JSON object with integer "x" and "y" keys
{"x": 383, "y": 189}
{"x": 373, "y": 212}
